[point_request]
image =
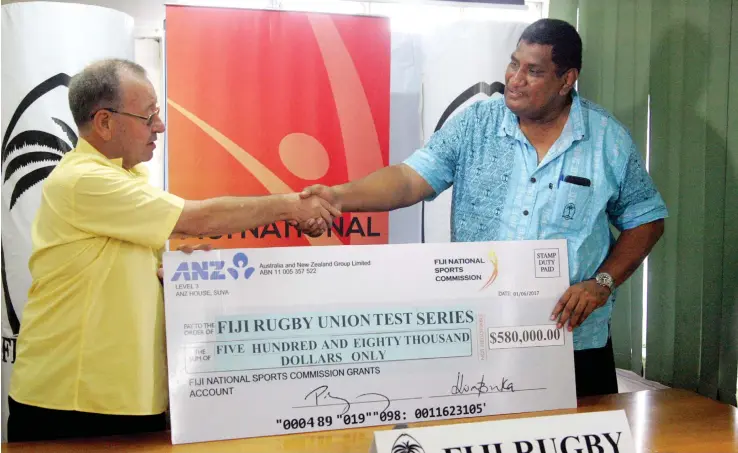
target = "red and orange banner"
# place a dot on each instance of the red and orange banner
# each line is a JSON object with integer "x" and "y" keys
{"x": 263, "y": 102}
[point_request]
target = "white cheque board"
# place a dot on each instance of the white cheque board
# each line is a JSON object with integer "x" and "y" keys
{"x": 284, "y": 340}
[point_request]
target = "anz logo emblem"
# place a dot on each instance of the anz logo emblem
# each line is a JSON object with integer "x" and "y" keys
{"x": 214, "y": 270}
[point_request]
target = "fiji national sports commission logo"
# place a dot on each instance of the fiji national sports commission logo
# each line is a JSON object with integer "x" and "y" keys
{"x": 406, "y": 444}
{"x": 492, "y": 256}
{"x": 214, "y": 269}
{"x": 467, "y": 269}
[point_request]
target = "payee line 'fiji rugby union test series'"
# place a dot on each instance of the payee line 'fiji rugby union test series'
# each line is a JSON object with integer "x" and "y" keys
{"x": 295, "y": 339}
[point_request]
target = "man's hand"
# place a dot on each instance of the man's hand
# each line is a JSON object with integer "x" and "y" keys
{"x": 316, "y": 227}
{"x": 578, "y": 302}
{"x": 186, "y": 249}
{"x": 324, "y": 192}
{"x": 313, "y": 213}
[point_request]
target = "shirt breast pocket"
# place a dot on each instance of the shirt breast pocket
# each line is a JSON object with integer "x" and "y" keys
{"x": 571, "y": 206}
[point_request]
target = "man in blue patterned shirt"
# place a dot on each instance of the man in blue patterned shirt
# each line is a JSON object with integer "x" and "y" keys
{"x": 541, "y": 164}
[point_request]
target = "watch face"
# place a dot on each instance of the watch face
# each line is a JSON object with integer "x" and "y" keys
{"x": 604, "y": 279}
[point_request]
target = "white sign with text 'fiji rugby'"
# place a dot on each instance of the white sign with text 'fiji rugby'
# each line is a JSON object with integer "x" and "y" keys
{"x": 596, "y": 432}
{"x": 284, "y": 340}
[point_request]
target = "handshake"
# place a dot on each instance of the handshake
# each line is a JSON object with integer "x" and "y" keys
{"x": 312, "y": 211}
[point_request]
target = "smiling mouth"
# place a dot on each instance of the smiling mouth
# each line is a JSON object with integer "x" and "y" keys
{"x": 513, "y": 94}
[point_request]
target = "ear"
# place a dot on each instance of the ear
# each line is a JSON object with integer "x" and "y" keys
{"x": 570, "y": 78}
{"x": 102, "y": 123}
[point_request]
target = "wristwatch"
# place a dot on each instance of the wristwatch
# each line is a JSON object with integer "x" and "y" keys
{"x": 606, "y": 280}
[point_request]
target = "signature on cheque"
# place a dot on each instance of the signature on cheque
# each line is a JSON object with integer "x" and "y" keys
{"x": 322, "y": 396}
{"x": 481, "y": 387}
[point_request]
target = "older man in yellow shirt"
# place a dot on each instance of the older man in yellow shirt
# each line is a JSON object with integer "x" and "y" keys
{"x": 91, "y": 349}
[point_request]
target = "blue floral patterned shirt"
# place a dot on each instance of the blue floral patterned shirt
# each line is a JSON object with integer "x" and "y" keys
{"x": 501, "y": 192}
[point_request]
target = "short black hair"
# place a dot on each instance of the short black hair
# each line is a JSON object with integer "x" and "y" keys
{"x": 98, "y": 86}
{"x": 564, "y": 39}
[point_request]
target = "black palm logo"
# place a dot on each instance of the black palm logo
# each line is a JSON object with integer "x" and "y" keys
{"x": 480, "y": 87}
{"x": 27, "y": 148}
{"x": 406, "y": 444}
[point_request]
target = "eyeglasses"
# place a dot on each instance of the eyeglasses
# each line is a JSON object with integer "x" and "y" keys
{"x": 149, "y": 119}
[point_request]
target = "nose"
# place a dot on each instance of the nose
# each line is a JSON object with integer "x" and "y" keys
{"x": 158, "y": 125}
{"x": 517, "y": 78}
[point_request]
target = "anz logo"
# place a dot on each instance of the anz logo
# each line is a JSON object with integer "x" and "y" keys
{"x": 214, "y": 270}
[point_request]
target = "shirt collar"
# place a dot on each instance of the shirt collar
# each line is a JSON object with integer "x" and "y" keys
{"x": 575, "y": 124}
{"x": 84, "y": 147}
{"x": 576, "y": 118}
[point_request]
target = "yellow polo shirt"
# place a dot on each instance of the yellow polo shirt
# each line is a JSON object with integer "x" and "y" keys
{"x": 92, "y": 331}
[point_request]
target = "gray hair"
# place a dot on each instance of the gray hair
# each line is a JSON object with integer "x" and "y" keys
{"x": 98, "y": 86}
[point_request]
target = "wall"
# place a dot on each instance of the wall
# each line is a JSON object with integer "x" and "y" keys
{"x": 148, "y": 15}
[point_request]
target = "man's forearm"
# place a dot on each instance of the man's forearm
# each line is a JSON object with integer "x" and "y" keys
{"x": 226, "y": 215}
{"x": 390, "y": 188}
{"x": 631, "y": 249}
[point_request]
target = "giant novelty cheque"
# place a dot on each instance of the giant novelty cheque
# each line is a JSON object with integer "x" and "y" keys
{"x": 285, "y": 340}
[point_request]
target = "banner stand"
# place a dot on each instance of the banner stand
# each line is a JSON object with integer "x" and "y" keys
{"x": 43, "y": 45}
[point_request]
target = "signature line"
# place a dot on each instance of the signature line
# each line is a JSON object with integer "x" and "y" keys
{"x": 487, "y": 393}
{"x": 359, "y": 402}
